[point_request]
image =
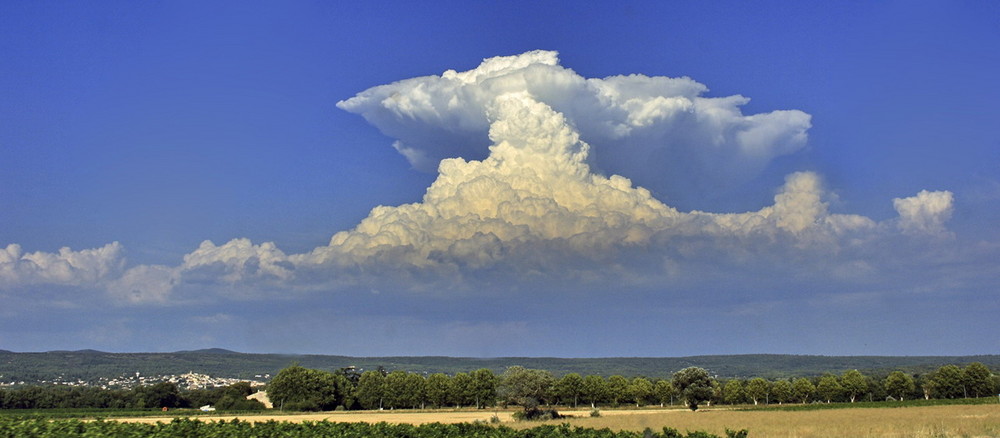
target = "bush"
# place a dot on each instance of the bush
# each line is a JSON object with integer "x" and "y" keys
{"x": 230, "y": 403}
{"x": 537, "y": 414}
{"x": 595, "y": 413}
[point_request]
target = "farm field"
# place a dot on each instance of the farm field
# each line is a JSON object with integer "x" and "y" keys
{"x": 929, "y": 421}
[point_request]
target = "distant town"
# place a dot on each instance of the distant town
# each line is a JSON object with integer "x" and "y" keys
{"x": 187, "y": 381}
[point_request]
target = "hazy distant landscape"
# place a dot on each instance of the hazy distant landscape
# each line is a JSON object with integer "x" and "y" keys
{"x": 90, "y": 365}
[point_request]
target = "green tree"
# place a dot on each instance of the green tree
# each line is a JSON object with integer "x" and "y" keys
{"x": 417, "y": 383}
{"x": 757, "y": 389}
{"x": 595, "y": 389}
{"x": 829, "y": 388}
{"x": 525, "y": 387}
{"x": 781, "y": 391}
{"x": 483, "y": 387}
{"x": 876, "y": 390}
{"x": 570, "y": 388}
{"x": 946, "y": 382}
{"x": 371, "y": 390}
{"x": 416, "y": 388}
{"x": 438, "y": 389}
{"x": 803, "y": 389}
{"x": 159, "y": 395}
{"x": 899, "y": 384}
{"x": 240, "y": 389}
{"x": 854, "y": 384}
{"x": 694, "y": 384}
{"x": 234, "y": 398}
{"x": 733, "y": 392}
{"x": 977, "y": 380}
{"x": 404, "y": 390}
{"x": 664, "y": 392}
{"x": 617, "y": 389}
{"x": 230, "y": 403}
{"x": 716, "y": 393}
{"x": 461, "y": 390}
{"x": 304, "y": 389}
{"x": 343, "y": 389}
{"x": 194, "y": 398}
{"x": 640, "y": 390}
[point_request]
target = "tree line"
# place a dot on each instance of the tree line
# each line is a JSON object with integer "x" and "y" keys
{"x": 156, "y": 396}
{"x": 304, "y": 389}
{"x": 947, "y": 382}
{"x": 300, "y": 388}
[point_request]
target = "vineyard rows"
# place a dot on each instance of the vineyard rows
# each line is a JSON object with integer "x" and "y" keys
{"x": 187, "y": 428}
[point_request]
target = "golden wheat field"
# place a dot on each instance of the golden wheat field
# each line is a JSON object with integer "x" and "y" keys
{"x": 932, "y": 421}
{"x": 911, "y": 422}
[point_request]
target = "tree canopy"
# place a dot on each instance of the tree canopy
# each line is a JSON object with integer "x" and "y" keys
{"x": 304, "y": 389}
{"x": 694, "y": 384}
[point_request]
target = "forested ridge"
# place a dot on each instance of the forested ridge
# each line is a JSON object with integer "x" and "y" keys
{"x": 90, "y": 364}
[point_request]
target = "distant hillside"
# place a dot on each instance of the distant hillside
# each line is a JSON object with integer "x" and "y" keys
{"x": 90, "y": 365}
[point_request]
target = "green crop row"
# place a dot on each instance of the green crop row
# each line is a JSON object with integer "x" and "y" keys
{"x": 187, "y": 428}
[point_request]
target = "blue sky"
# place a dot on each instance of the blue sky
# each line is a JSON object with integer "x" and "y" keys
{"x": 850, "y": 206}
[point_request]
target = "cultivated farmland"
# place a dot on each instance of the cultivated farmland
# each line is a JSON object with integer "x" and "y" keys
{"x": 923, "y": 421}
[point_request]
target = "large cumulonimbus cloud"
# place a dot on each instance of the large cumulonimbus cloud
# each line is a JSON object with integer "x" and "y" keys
{"x": 660, "y": 132}
{"x": 533, "y": 209}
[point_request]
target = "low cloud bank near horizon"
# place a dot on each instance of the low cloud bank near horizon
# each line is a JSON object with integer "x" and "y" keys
{"x": 534, "y": 213}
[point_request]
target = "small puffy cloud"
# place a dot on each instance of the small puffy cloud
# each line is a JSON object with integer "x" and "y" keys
{"x": 238, "y": 260}
{"x": 661, "y": 132}
{"x": 925, "y": 213}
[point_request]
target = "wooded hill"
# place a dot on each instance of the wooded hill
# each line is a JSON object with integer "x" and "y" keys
{"x": 89, "y": 365}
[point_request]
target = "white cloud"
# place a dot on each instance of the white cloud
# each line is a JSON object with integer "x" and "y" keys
{"x": 534, "y": 210}
{"x": 144, "y": 284}
{"x": 534, "y": 186}
{"x": 660, "y": 131}
{"x": 239, "y": 259}
{"x": 67, "y": 267}
{"x": 925, "y": 213}
{"x": 534, "y": 206}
